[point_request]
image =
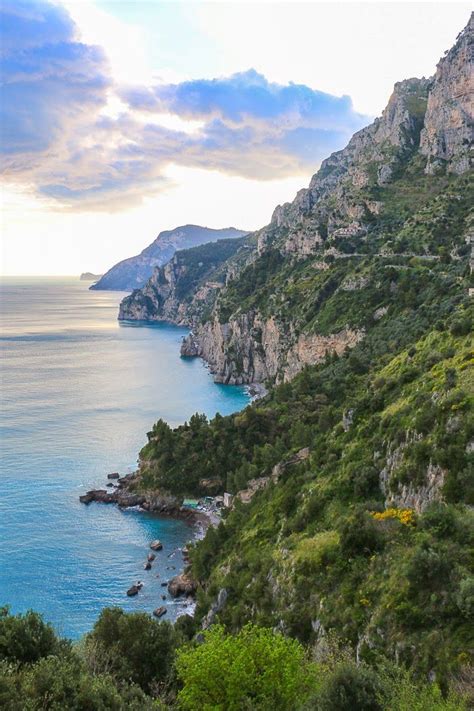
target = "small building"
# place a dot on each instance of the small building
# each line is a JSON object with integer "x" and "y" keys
{"x": 227, "y": 500}
{"x": 191, "y": 503}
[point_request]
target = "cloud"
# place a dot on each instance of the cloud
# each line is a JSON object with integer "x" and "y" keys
{"x": 60, "y": 138}
{"x": 246, "y": 96}
{"x": 49, "y": 80}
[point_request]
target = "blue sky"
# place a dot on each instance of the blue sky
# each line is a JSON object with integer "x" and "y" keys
{"x": 120, "y": 119}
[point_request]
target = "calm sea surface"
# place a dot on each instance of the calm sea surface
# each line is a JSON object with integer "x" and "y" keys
{"x": 79, "y": 392}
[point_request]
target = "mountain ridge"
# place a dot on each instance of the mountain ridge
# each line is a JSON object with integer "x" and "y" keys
{"x": 133, "y": 272}
{"x": 346, "y": 211}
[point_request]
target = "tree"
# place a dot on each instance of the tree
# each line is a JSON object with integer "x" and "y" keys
{"x": 136, "y": 647}
{"x": 27, "y": 638}
{"x": 255, "y": 669}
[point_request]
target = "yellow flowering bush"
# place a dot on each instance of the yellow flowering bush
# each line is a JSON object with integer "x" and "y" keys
{"x": 405, "y": 516}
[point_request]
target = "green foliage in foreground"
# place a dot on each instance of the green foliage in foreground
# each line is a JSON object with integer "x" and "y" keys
{"x": 255, "y": 670}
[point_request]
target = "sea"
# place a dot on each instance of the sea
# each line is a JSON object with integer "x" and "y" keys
{"x": 79, "y": 391}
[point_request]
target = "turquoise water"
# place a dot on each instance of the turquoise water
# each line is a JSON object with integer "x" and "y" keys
{"x": 79, "y": 392}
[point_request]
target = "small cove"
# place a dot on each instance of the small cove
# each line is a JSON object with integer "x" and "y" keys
{"x": 79, "y": 392}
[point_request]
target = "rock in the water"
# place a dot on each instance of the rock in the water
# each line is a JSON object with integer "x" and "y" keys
{"x": 133, "y": 590}
{"x": 182, "y": 584}
{"x": 151, "y": 557}
{"x": 147, "y": 565}
{"x": 114, "y": 475}
{"x": 160, "y": 611}
{"x": 156, "y": 545}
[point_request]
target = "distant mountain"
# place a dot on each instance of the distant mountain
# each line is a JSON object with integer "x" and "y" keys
{"x": 88, "y": 276}
{"x": 134, "y": 272}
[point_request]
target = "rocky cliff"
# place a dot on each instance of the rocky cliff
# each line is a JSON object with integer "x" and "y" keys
{"x": 132, "y": 273}
{"x": 447, "y": 135}
{"x": 184, "y": 288}
{"x": 265, "y": 317}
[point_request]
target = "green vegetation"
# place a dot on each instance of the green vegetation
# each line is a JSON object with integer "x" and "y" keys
{"x": 256, "y": 669}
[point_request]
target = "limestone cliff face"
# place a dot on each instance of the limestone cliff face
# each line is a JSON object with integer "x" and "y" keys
{"x": 447, "y": 136}
{"x": 250, "y": 348}
{"x": 181, "y": 290}
{"x": 332, "y": 205}
{"x": 157, "y": 300}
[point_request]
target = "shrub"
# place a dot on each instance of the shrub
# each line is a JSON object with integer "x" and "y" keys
{"x": 27, "y": 638}
{"x": 255, "y": 669}
{"x": 135, "y": 647}
{"x": 349, "y": 688}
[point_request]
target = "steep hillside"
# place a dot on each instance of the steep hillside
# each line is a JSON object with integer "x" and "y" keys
{"x": 132, "y": 273}
{"x": 187, "y": 284}
{"x": 393, "y": 194}
{"x": 353, "y": 479}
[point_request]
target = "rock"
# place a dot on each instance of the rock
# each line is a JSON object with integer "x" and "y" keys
{"x": 151, "y": 557}
{"x": 122, "y": 498}
{"x": 182, "y": 584}
{"x": 347, "y": 419}
{"x": 114, "y": 475}
{"x": 110, "y": 484}
{"x": 216, "y": 607}
{"x": 147, "y": 565}
{"x": 163, "y": 585}
{"x": 156, "y": 545}
{"x": 133, "y": 590}
{"x": 94, "y": 495}
{"x": 163, "y": 597}
{"x": 160, "y": 611}
{"x": 446, "y": 138}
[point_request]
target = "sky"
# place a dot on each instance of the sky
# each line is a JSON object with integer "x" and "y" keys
{"x": 122, "y": 118}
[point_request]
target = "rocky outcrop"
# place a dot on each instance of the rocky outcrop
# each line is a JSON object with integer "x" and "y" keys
{"x": 447, "y": 135}
{"x": 216, "y": 607}
{"x": 181, "y": 290}
{"x": 125, "y": 497}
{"x": 332, "y": 202}
{"x": 133, "y": 273}
{"x": 252, "y": 349}
{"x": 183, "y": 584}
{"x": 414, "y": 495}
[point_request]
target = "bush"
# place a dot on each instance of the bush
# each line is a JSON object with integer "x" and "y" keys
{"x": 255, "y": 669}
{"x": 134, "y": 646}
{"x": 350, "y": 688}
{"x": 27, "y": 638}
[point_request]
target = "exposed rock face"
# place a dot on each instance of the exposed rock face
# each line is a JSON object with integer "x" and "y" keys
{"x": 447, "y": 136}
{"x": 182, "y": 584}
{"x": 379, "y": 147}
{"x": 215, "y": 608}
{"x": 132, "y": 273}
{"x": 188, "y": 284}
{"x": 249, "y": 349}
{"x": 410, "y": 495}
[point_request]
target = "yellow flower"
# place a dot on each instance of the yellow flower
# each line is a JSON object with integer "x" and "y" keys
{"x": 405, "y": 516}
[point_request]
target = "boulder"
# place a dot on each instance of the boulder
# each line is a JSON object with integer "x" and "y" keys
{"x": 160, "y": 611}
{"x": 114, "y": 475}
{"x": 182, "y": 584}
{"x": 147, "y": 565}
{"x": 133, "y": 590}
{"x": 156, "y": 545}
{"x": 94, "y": 495}
{"x": 151, "y": 557}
